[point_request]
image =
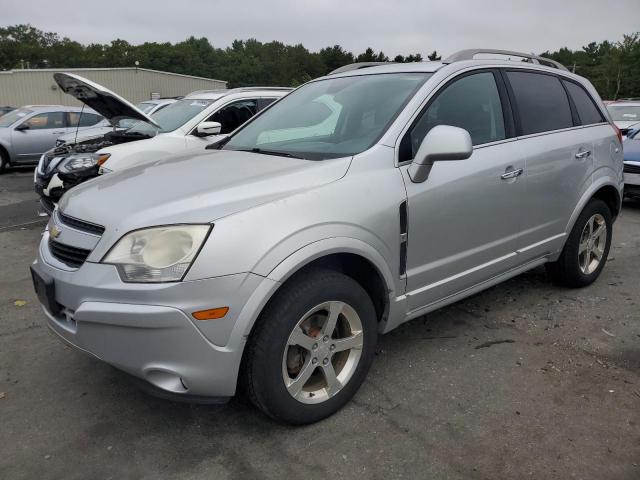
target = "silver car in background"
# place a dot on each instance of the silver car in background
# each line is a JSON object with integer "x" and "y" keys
{"x": 359, "y": 201}
{"x": 28, "y": 132}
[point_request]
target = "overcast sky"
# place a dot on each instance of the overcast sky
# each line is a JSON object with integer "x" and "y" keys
{"x": 400, "y": 26}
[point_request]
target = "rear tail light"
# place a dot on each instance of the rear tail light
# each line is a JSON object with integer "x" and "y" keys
{"x": 618, "y": 132}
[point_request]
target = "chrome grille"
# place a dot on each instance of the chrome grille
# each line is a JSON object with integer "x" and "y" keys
{"x": 628, "y": 168}
{"x": 81, "y": 225}
{"x": 71, "y": 256}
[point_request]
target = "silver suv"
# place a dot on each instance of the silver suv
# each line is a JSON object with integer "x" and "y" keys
{"x": 359, "y": 201}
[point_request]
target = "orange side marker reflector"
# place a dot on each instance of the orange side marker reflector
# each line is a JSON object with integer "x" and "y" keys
{"x": 211, "y": 314}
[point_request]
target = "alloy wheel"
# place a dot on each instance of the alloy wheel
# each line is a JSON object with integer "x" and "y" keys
{"x": 322, "y": 352}
{"x": 593, "y": 241}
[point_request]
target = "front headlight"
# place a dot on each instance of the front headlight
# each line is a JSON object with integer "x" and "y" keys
{"x": 82, "y": 161}
{"x": 157, "y": 254}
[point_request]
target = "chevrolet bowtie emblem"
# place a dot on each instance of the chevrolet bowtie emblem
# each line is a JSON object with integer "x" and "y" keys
{"x": 54, "y": 232}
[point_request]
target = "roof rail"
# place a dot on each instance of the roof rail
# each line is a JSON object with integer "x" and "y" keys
{"x": 248, "y": 89}
{"x": 42, "y": 105}
{"x": 226, "y": 91}
{"x": 357, "y": 66}
{"x": 471, "y": 53}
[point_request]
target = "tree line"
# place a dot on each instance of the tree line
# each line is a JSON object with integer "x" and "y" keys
{"x": 613, "y": 67}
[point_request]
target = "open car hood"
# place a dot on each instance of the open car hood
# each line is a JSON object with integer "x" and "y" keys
{"x": 108, "y": 104}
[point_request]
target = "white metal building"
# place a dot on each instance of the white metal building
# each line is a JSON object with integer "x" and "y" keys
{"x": 37, "y": 87}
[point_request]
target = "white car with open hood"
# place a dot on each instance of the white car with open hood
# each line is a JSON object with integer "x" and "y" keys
{"x": 187, "y": 123}
{"x": 73, "y": 162}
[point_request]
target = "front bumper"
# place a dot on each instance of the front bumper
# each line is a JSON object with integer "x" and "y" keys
{"x": 147, "y": 329}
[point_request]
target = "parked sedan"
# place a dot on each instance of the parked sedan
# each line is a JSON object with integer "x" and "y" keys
{"x": 28, "y": 132}
{"x": 631, "y": 148}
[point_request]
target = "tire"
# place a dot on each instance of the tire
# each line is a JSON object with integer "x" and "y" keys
{"x": 298, "y": 314}
{"x": 4, "y": 160}
{"x": 577, "y": 267}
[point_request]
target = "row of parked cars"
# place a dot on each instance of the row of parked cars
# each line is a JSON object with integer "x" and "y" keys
{"x": 261, "y": 239}
{"x": 110, "y": 120}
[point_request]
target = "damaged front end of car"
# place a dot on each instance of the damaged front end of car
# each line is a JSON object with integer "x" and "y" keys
{"x": 71, "y": 163}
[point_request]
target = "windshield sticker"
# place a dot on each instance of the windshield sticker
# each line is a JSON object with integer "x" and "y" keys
{"x": 629, "y": 115}
{"x": 199, "y": 103}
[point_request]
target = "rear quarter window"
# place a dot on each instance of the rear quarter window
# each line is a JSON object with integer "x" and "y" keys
{"x": 541, "y": 101}
{"x": 587, "y": 110}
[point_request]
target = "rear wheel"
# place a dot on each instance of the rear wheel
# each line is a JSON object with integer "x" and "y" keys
{"x": 4, "y": 160}
{"x": 585, "y": 253}
{"x": 312, "y": 347}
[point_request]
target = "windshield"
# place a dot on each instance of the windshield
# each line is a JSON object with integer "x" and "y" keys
{"x": 624, "y": 113}
{"x": 145, "y": 107}
{"x": 330, "y": 118}
{"x": 172, "y": 117}
{"x": 12, "y": 117}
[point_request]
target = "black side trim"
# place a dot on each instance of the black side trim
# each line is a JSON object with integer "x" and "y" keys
{"x": 574, "y": 111}
{"x": 403, "y": 238}
{"x": 403, "y": 217}
{"x": 512, "y": 101}
{"x": 507, "y": 110}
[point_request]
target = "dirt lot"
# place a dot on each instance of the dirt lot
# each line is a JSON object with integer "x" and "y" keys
{"x": 525, "y": 380}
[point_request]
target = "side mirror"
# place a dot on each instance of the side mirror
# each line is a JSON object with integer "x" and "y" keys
{"x": 22, "y": 127}
{"x": 442, "y": 143}
{"x": 206, "y": 129}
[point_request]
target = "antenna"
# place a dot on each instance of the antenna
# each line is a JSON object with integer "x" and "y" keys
{"x": 75, "y": 140}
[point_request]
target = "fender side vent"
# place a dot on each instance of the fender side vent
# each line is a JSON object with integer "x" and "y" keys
{"x": 403, "y": 238}
{"x": 403, "y": 218}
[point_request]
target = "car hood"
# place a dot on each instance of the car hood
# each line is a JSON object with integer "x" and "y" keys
{"x": 108, "y": 104}
{"x": 626, "y": 124}
{"x": 194, "y": 189}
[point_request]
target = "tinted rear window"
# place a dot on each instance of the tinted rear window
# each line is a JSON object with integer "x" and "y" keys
{"x": 587, "y": 110}
{"x": 542, "y": 102}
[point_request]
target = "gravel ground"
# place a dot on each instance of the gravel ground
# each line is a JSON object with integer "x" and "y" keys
{"x": 524, "y": 380}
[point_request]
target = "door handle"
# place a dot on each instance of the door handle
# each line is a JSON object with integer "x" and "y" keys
{"x": 511, "y": 174}
{"x": 57, "y": 133}
{"x": 583, "y": 154}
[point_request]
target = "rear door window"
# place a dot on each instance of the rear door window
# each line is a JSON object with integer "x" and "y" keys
{"x": 541, "y": 101}
{"x": 86, "y": 119}
{"x": 587, "y": 110}
{"x": 44, "y": 121}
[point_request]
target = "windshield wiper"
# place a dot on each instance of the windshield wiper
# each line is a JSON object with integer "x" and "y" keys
{"x": 270, "y": 152}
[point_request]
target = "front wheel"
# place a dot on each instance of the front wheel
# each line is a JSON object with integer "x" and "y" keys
{"x": 587, "y": 247}
{"x": 312, "y": 347}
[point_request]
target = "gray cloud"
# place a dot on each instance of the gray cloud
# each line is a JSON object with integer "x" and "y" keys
{"x": 405, "y": 26}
